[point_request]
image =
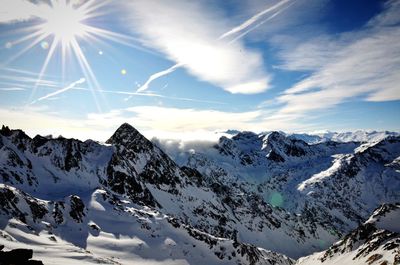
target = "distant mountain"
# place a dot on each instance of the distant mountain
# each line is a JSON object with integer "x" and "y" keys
{"x": 242, "y": 200}
{"x": 356, "y": 136}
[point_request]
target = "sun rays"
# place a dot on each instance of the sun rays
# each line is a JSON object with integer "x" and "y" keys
{"x": 60, "y": 27}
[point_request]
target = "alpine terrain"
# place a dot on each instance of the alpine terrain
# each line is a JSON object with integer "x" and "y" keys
{"x": 267, "y": 198}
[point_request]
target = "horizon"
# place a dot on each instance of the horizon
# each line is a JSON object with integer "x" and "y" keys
{"x": 191, "y": 69}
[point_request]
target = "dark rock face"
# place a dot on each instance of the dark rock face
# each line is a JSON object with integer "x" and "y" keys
{"x": 193, "y": 175}
{"x": 124, "y": 183}
{"x": 274, "y": 156}
{"x": 37, "y": 142}
{"x": 281, "y": 145}
{"x": 37, "y": 209}
{"x": 8, "y": 204}
{"x": 73, "y": 156}
{"x": 77, "y": 209}
{"x": 130, "y": 138}
{"x": 58, "y": 212}
{"x": 5, "y": 131}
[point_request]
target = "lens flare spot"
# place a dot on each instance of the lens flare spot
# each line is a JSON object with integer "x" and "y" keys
{"x": 123, "y": 71}
{"x": 100, "y": 52}
{"x": 44, "y": 45}
{"x": 322, "y": 244}
{"x": 8, "y": 45}
{"x": 276, "y": 199}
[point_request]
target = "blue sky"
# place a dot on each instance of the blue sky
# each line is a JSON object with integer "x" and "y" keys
{"x": 185, "y": 69}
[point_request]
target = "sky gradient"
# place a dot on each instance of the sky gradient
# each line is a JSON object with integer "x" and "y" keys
{"x": 186, "y": 69}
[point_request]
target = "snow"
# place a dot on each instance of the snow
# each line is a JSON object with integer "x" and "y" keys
{"x": 337, "y": 163}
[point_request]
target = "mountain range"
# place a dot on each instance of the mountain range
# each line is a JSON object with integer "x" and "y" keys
{"x": 268, "y": 198}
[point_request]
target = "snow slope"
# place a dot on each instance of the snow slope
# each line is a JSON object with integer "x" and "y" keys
{"x": 376, "y": 241}
{"x": 102, "y": 227}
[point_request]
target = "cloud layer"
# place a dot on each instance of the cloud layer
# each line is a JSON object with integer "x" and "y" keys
{"x": 188, "y": 33}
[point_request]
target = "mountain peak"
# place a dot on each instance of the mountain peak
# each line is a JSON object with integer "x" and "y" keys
{"x": 125, "y": 133}
{"x": 126, "y": 127}
{"x": 276, "y": 136}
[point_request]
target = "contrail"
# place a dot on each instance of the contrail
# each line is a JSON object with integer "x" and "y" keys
{"x": 158, "y": 75}
{"x": 262, "y": 22}
{"x": 237, "y": 29}
{"x": 72, "y": 85}
{"x": 153, "y": 95}
{"x": 155, "y": 76}
{"x": 252, "y": 20}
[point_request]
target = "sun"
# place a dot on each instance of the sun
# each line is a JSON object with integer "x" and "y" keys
{"x": 64, "y": 22}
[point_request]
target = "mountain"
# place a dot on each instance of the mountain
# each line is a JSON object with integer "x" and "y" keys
{"x": 242, "y": 200}
{"x": 125, "y": 199}
{"x": 377, "y": 241}
{"x": 331, "y": 186}
{"x": 356, "y": 136}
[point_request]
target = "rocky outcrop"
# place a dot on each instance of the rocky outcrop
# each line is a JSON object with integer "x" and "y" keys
{"x": 18, "y": 256}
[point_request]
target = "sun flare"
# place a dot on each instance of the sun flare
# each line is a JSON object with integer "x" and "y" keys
{"x": 64, "y": 29}
{"x": 64, "y": 22}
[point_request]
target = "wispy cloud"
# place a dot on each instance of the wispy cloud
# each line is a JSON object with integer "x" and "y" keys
{"x": 188, "y": 33}
{"x": 362, "y": 64}
{"x": 22, "y": 78}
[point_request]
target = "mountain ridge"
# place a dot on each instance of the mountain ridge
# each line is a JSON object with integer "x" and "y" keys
{"x": 66, "y": 179}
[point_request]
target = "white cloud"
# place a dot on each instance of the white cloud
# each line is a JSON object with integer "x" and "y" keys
{"x": 362, "y": 64}
{"x": 161, "y": 122}
{"x": 167, "y": 122}
{"x": 38, "y": 120}
{"x": 188, "y": 33}
{"x": 152, "y": 121}
{"x": 17, "y": 10}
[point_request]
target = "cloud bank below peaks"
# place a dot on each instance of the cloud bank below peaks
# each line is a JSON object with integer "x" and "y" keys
{"x": 189, "y": 34}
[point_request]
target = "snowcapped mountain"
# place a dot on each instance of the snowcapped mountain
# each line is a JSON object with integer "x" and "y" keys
{"x": 242, "y": 200}
{"x": 331, "y": 186}
{"x": 126, "y": 199}
{"x": 356, "y": 136}
{"x": 377, "y": 241}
